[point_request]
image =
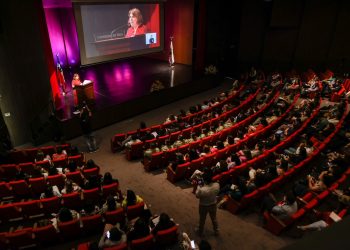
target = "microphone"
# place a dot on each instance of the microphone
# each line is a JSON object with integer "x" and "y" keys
{"x": 118, "y": 28}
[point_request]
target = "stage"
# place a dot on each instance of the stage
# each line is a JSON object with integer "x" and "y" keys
{"x": 123, "y": 89}
{"x": 119, "y": 82}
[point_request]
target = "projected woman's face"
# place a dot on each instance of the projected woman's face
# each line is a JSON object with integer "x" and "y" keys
{"x": 133, "y": 21}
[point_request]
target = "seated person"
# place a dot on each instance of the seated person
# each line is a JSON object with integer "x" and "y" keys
{"x": 284, "y": 209}
{"x": 64, "y": 215}
{"x": 165, "y": 222}
{"x": 131, "y": 199}
{"x": 50, "y": 192}
{"x": 60, "y": 154}
{"x": 140, "y": 230}
{"x": 41, "y": 157}
{"x": 70, "y": 187}
{"x": 324, "y": 180}
{"x": 111, "y": 204}
{"x": 112, "y": 236}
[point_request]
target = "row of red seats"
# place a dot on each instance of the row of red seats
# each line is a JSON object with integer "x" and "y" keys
{"x": 31, "y": 209}
{"x": 277, "y": 226}
{"x": 118, "y": 138}
{"x": 224, "y": 177}
{"x": 71, "y": 230}
{"x": 344, "y": 89}
{"x": 28, "y": 155}
{"x": 185, "y": 170}
{"x": 162, "y": 239}
{"x": 36, "y": 186}
{"x": 9, "y": 171}
{"x": 234, "y": 206}
{"x": 136, "y": 150}
{"x": 161, "y": 159}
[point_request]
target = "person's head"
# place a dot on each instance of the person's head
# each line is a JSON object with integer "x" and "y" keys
{"x": 115, "y": 234}
{"x": 164, "y": 218}
{"x": 207, "y": 177}
{"x": 89, "y": 207}
{"x": 111, "y": 204}
{"x": 48, "y": 192}
{"x": 204, "y": 245}
{"x": 107, "y": 178}
{"x": 90, "y": 164}
{"x": 40, "y": 155}
{"x": 76, "y": 76}
{"x": 72, "y": 166}
{"x": 59, "y": 150}
{"x": 65, "y": 215}
{"x": 69, "y": 186}
{"x": 52, "y": 170}
{"x": 289, "y": 197}
{"x": 143, "y": 125}
{"x": 130, "y": 197}
{"x": 135, "y": 18}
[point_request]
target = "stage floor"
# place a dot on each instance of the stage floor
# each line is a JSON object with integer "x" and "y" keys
{"x": 122, "y": 81}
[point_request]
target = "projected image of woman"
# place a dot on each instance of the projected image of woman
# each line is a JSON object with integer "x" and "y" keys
{"x": 135, "y": 24}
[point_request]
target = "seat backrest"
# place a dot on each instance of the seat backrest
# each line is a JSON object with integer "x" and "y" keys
{"x": 21, "y": 239}
{"x": 20, "y": 188}
{"x": 92, "y": 171}
{"x": 50, "y": 205}
{"x": 167, "y": 237}
{"x": 92, "y": 224}
{"x": 46, "y": 235}
{"x": 69, "y": 229}
{"x": 37, "y": 185}
{"x": 92, "y": 194}
{"x": 56, "y": 180}
{"x": 5, "y": 191}
{"x": 113, "y": 217}
{"x": 144, "y": 243}
{"x": 134, "y": 210}
{"x": 123, "y": 246}
{"x": 72, "y": 201}
{"x": 110, "y": 189}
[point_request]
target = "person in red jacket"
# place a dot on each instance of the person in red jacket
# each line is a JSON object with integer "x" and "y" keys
{"x": 135, "y": 23}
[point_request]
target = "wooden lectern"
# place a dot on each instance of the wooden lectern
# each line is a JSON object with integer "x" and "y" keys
{"x": 85, "y": 92}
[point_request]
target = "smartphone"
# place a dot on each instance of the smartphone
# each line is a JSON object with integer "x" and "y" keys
{"x": 192, "y": 244}
{"x": 108, "y": 234}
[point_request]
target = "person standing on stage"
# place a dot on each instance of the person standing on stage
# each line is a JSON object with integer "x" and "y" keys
{"x": 207, "y": 202}
{"x": 135, "y": 23}
{"x": 85, "y": 123}
{"x": 75, "y": 82}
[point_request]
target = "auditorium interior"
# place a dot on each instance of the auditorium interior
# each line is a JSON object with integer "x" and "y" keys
{"x": 253, "y": 93}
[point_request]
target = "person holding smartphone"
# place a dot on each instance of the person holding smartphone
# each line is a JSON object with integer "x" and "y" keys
{"x": 112, "y": 236}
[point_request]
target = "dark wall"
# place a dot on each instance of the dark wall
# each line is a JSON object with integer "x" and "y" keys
{"x": 222, "y": 34}
{"x": 280, "y": 34}
{"x": 25, "y": 89}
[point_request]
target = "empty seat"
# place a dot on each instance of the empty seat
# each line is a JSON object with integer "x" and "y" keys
{"x": 45, "y": 235}
{"x": 72, "y": 201}
{"x": 92, "y": 195}
{"x": 21, "y": 239}
{"x": 50, "y": 205}
{"x": 20, "y": 188}
{"x": 56, "y": 180}
{"x": 31, "y": 209}
{"x": 37, "y": 185}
